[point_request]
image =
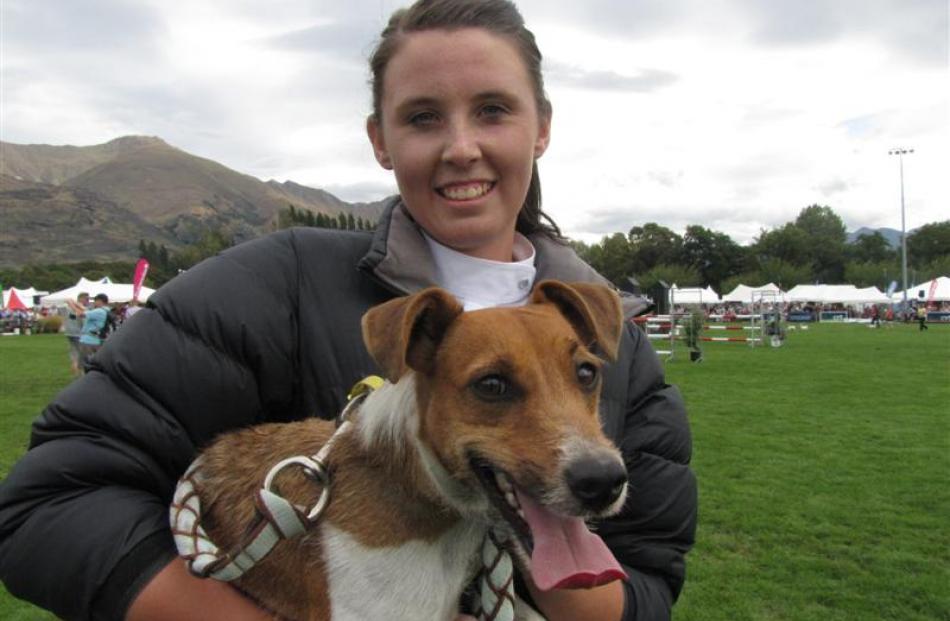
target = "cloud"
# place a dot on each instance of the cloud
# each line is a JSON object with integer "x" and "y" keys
{"x": 914, "y": 28}
{"x": 51, "y": 28}
{"x": 363, "y": 192}
{"x": 646, "y": 81}
{"x": 833, "y": 186}
{"x": 331, "y": 38}
{"x": 666, "y": 178}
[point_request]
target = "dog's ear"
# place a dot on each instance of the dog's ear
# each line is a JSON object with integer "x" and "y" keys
{"x": 406, "y": 332}
{"x": 594, "y": 311}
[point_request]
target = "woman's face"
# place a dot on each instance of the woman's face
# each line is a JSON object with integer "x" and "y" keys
{"x": 460, "y": 129}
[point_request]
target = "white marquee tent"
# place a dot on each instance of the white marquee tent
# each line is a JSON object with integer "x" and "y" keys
{"x": 118, "y": 293}
{"x": 941, "y": 291}
{"x": 25, "y": 295}
{"x": 744, "y": 294}
{"x": 693, "y": 295}
{"x": 836, "y": 294}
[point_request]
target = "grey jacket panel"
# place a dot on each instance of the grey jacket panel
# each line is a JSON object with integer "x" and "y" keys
{"x": 270, "y": 331}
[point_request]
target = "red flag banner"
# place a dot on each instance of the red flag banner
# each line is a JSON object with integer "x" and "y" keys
{"x": 141, "y": 269}
{"x": 932, "y": 292}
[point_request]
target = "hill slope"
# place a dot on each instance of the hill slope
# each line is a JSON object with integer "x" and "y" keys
{"x": 51, "y": 224}
{"x": 137, "y": 187}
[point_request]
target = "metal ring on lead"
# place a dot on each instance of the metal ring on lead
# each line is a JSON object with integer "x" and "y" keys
{"x": 322, "y": 502}
{"x": 309, "y": 464}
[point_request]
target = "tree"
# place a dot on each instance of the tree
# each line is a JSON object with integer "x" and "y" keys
{"x": 929, "y": 243}
{"x": 788, "y": 243}
{"x": 826, "y": 241}
{"x": 611, "y": 257}
{"x": 785, "y": 275}
{"x": 651, "y": 245}
{"x": 714, "y": 255}
{"x": 671, "y": 274}
{"x": 871, "y": 273}
{"x": 870, "y": 248}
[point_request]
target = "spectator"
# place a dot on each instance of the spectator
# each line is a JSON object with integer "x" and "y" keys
{"x": 73, "y": 328}
{"x": 93, "y": 327}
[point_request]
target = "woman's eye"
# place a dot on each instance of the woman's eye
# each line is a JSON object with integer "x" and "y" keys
{"x": 493, "y": 111}
{"x": 492, "y": 387}
{"x": 586, "y": 374}
{"x": 423, "y": 119}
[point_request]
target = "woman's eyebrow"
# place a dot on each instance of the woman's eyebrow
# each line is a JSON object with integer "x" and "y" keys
{"x": 426, "y": 101}
{"x": 416, "y": 102}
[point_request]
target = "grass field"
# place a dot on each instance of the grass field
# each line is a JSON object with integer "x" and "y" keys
{"x": 823, "y": 470}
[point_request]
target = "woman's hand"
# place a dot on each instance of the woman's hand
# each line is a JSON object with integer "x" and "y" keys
{"x": 175, "y": 595}
{"x": 602, "y": 603}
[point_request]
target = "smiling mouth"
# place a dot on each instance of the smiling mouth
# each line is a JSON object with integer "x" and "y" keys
{"x": 465, "y": 191}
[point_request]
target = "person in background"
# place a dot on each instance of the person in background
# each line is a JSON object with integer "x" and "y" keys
{"x": 72, "y": 326}
{"x": 94, "y": 322}
{"x": 922, "y": 316}
{"x": 133, "y": 307}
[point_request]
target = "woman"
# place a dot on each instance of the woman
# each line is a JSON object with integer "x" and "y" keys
{"x": 270, "y": 331}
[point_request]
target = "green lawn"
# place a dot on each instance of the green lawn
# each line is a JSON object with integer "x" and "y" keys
{"x": 823, "y": 471}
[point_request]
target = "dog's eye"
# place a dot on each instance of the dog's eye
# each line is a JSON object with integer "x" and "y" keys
{"x": 492, "y": 387}
{"x": 586, "y": 374}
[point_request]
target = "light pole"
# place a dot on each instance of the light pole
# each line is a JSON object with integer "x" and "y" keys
{"x": 900, "y": 153}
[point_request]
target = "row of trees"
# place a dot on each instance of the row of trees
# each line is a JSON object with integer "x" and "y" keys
{"x": 304, "y": 217}
{"x": 165, "y": 265}
{"x": 812, "y": 248}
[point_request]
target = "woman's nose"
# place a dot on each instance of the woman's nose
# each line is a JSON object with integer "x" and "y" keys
{"x": 461, "y": 145}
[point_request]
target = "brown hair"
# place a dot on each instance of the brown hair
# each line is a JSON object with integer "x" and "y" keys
{"x": 500, "y": 17}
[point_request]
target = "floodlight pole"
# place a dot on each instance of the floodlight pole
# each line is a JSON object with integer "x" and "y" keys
{"x": 900, "y": 153}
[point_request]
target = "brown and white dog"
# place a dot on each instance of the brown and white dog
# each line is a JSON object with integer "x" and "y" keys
{"x": 489, "y": 419}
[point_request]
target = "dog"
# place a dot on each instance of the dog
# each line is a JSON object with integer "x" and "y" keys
{"x": 488, "y": 420}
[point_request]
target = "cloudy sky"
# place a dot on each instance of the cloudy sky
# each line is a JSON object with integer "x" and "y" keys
{"x": 733, "y": 114}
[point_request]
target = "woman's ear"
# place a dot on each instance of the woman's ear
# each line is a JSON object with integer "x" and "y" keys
{"x": 544, "y": 133}
{"x": 375, "y": 133}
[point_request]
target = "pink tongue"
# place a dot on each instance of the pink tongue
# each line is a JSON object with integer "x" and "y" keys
{"x": 566, "y": 554}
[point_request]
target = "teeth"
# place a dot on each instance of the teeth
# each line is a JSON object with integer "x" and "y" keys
{"x": 468, "y": 192}
{"x": 503, "y": 483}
{"x": 510, "y": 497}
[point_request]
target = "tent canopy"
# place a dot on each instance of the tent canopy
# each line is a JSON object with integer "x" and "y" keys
{"x": 922, "y": 291}
{"x": 26, "y": 295}
{"x": 693, "y": 295}
{"x": 836, "y": 294}
{"x": 118, "y": 293}
{"x": 14, "y": 303}
{"x": 747, "y": 295}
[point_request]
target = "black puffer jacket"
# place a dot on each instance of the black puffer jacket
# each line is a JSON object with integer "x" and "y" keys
{"x": 270, "y": 331}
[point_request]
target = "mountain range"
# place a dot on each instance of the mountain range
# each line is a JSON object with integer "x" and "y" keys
{"x": 65, "y": 203}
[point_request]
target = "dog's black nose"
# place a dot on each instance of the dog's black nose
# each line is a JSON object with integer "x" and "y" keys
{"x": 597, "y": 480}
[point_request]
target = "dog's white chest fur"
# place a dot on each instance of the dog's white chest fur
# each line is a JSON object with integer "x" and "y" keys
{"x": 421, "y": 580}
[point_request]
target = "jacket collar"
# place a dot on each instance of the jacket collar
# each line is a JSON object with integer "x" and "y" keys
{"x": 400, "y": 258}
